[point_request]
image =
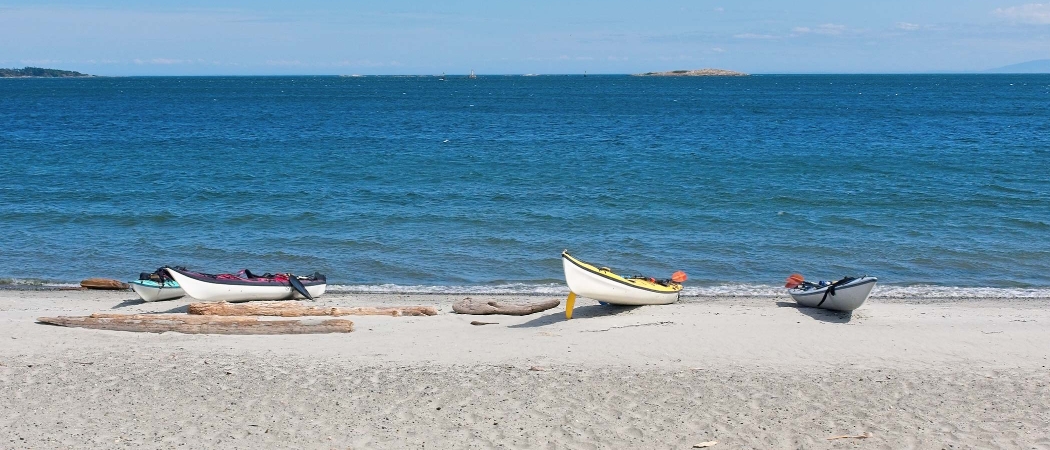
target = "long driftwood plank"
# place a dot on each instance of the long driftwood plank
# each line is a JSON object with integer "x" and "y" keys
{"x": 159, "y": 323}
{"x": 481, "y": 307}
{"x": 296, "y": 309}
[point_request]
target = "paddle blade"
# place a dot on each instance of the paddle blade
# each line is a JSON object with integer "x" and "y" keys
{"x": 794, "y": 280}
{"x": 298, "y": 286}
{"x": 679, "y": 276}
{"x": 569, "y": 303}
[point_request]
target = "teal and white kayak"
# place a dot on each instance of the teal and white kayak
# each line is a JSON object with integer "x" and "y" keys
{"x": 152, "y": 291}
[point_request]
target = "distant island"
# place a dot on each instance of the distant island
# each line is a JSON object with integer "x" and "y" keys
{"x": 694, "y": 73}
{"x": 1037, "y": 66}
{"x": 37, "y": 72}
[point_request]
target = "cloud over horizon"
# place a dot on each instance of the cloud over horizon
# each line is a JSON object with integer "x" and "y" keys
{"x": 1034, "y": 13}
{"x": 827, "y": 29}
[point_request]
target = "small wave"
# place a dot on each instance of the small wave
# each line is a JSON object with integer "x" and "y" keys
{"x": 1028, "y": 223}
{"x": 924, "y": 291}
{"x": 33, "y": 282}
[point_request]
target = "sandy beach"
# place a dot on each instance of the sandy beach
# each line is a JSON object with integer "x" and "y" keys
{"x": 749, "y": 373}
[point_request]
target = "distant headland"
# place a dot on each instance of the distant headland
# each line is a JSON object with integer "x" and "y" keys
{"x": 694, "y": 73}
{"x": 37, "y": 72}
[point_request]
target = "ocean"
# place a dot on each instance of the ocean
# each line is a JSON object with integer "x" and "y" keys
{"x": 936, "y": 184}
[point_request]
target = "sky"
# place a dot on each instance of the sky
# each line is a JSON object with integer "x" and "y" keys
{"x": 394, "y": 37}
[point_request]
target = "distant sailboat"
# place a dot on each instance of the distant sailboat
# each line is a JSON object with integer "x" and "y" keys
{"x": 472, "y": 76}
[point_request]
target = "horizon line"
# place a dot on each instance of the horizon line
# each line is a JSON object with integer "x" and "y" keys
{"x": 467, "y": 75}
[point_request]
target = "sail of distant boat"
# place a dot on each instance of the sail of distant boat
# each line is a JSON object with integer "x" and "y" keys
{"x": 472, "y": 76}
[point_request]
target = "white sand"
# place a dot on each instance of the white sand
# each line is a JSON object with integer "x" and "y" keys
{"x": 747, "y": 372}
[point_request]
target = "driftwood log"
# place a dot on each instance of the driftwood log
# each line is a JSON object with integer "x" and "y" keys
{"x": 159, "y": 323}
{"x": 480, "y": 307}
{"x": 296, "y": 309}
{"x": 103, "y": 283}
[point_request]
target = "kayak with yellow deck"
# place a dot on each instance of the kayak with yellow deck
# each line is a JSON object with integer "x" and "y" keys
{"x": 600, "y": 283}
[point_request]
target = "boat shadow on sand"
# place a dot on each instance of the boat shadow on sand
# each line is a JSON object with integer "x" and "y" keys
{"x": 580, "y": 312}
{"x": 823, "y": 315}
{"x": 129, "y": 302}
{"x": 137, "y": 301}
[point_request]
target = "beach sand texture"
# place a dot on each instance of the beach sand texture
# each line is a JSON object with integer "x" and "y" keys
{"x": 750, "y": 373}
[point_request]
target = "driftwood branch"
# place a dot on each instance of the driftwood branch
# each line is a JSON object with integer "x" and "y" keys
{"x": 103, "y": 283}
{"x": 480, "y": 307}
{"x": 296, "y": 309}
{"x": 159, "y": 323}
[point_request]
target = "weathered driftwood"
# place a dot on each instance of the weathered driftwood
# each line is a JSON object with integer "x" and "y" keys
{"x": 471, "y": 306}
{"x": 103, "y": 283}
{"x": 159, "y": 323}
{"x": 296, "y": 309}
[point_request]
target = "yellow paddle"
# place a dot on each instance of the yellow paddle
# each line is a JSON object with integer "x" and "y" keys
{"x": 568, "y": 305}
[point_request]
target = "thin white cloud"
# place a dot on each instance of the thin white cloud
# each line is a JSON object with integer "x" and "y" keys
{"x": 40, "y": 62}
{"x": 718, "y": 50}
{"x": 1037, "y": 13}
{"x": 568, "y": 58}
{"x": 754, "y": 36}
{"x": 164, "y": 61}
{"x": 367, "y": 63}
{"x": 907, "y": 26}
{"x": 283, "y": 62}
{"x": 720, "y": 9}
{"x": 828, "y": 29}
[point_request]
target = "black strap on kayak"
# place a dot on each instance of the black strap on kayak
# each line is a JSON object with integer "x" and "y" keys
{"x": 831, "y": 288}
{"x": 160, "y": 276}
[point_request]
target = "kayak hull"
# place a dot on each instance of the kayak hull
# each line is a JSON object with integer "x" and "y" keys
{"x": 599, "y": 283}
{"x": 205, "y": 287}
{"x": 152, "y": 291}
{"x": 847, "y": 297}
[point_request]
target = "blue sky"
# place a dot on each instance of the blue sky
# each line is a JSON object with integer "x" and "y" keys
{"x": 502, "y": 37}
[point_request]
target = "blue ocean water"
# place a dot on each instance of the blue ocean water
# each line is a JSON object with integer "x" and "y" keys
{"x": 415, "y": 183}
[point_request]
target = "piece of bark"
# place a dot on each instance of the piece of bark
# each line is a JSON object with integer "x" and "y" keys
{"x": 159, "y": 323}
{"x": 481, "y": 307}
{"x": 296, "y": 309}
{"x": 103, "y": 283}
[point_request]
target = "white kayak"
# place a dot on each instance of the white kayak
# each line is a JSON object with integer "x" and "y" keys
{"x": 600, "y": 283}
{"x": 152, "y": 291}
{"x": 846, "y": 294}
{"x": 245, "y": 287}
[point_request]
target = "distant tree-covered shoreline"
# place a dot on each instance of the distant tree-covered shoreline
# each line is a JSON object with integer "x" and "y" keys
{"x": 39, "y": 72}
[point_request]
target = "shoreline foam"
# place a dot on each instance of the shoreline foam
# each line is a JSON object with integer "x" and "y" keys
{"x": 883, "y": 291}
